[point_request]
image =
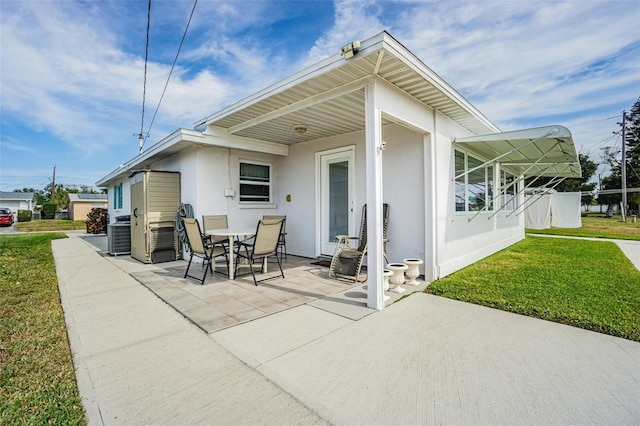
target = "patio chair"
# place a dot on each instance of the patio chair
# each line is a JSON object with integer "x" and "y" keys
{"x": 218, "y": 221}
{"x": 282, "y": 242}
{"x": 263, "y": 245}
{"x": 199, "y": 247}
{"x": 347, "y": 261}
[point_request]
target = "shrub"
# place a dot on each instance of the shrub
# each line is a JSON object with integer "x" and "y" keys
{"x": 97, "y": 221}
{"x": 49, "y": 210}
{"x": 24, "y": 215}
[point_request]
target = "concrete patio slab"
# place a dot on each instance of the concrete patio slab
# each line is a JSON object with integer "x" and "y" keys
{"x": 422, "y": 360}
{"x": 430, "y": 360}
{"x": 139, "y": 362}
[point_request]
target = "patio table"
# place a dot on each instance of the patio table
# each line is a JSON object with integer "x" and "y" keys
{"x": 231, "y": 233}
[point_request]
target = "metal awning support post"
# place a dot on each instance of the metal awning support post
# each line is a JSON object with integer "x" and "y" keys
{"x": 526, "y": 205}
{"x": 519, "y": 192}
{"x": 546, "y": 135}
{"x": 503, "y": 189}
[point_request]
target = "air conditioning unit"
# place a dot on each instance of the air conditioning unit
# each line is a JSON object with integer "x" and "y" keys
{"x": 119, "y": 238}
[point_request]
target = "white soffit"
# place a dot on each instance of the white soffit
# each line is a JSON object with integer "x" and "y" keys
{"x": 541, "y": 151}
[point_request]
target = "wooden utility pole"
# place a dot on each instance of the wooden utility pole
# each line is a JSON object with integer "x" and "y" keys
{"x": 53, "y": 185}
{"x": 624, "y": 166}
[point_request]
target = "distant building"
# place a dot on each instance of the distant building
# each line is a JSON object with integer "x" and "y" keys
{"x": 17, "y": 201}
{"x": 81, "y": 204}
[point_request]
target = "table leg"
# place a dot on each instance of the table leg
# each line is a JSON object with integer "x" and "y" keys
{"x": 232, "y": 265}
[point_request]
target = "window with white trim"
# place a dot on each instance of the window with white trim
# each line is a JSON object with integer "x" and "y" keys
{"x": 117, "y": 196}
{"x": 475, "y": 188}
{"x": 255, "y": 182}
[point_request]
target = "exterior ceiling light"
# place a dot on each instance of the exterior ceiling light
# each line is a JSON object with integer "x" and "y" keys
{"x": 300, "y": 129}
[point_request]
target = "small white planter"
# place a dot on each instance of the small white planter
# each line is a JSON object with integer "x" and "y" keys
{"x": 397, "y": 277}
{"x": 386, "y": 274}
{"x": 413, "y": 270}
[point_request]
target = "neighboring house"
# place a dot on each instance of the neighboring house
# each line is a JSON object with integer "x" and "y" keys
{"x": 376, "y": 127}
{"x": 17, "y": 201}
{"x": 81, "y": 204}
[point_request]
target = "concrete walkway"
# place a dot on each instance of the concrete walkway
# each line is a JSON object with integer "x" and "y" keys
{"x": 422, "y": 360}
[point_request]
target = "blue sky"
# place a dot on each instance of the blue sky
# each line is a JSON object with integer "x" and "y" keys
{"x": 71, "y": 77}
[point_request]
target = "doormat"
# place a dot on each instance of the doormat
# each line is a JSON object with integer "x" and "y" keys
{"x": 325, "y": 263}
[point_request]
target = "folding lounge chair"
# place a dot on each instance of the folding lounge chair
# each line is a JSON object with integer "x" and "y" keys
{"x": 265, "y": 244}
{"x": 199, "y": 247}
{"x": 347, "y": 261}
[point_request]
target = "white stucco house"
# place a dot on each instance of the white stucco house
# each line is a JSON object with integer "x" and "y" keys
{"x": 368, "y": 125}
{"x": 17, "y": 201}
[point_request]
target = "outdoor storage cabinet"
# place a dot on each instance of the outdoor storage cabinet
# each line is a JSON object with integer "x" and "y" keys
{"x": 155, "y": 199}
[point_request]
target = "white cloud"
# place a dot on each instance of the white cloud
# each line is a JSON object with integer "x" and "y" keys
{"x": 76, "y": 69}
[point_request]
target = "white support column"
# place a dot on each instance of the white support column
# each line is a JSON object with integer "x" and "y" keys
{"x": 373, "y": 152}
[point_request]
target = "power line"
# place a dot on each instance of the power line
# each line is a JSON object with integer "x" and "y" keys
{"x": 144, "y": 84}
{"x": 170, "y": 72}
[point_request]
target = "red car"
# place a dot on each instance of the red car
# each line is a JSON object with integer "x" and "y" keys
{"x": 6, "y": 217}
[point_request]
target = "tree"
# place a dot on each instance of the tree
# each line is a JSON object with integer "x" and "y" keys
{"x": 632, "y": 161}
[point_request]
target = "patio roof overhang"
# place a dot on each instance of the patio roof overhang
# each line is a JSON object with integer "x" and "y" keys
{"x": 542, "y": 151}
{"x": 328, "y": 98}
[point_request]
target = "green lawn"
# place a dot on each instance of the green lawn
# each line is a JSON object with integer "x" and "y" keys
{"x": 37, "y": 378}
{"x": 598, "y": 226}
{"x": 587, "y": 284}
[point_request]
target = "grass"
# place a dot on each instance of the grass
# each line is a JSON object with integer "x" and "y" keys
{"x": 598, "y": 226}
{"x": 37, "y": 377}
{"x": 51, "y": 225}
{"x": 583, "y": 283}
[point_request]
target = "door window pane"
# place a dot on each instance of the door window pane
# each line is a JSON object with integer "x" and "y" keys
{"x": 338, "y": 199}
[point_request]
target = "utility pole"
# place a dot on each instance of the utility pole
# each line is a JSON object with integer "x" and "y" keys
{"x": 624, "y": 166}
{"x": 53, "y": 185}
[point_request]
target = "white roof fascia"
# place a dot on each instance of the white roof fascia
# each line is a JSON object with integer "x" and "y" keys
{"x": 402, "y": 53}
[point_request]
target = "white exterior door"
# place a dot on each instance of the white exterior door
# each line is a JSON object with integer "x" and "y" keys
{"x": 335, "y": 181}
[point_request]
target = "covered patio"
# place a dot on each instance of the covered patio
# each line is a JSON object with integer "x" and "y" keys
{"x": 221, "y": 303}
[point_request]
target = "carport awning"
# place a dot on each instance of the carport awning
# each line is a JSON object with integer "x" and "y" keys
{"x": 541, "y": 151}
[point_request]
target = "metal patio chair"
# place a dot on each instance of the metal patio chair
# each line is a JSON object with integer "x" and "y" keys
{"x": 218, "y": 221}
{"x": 263, "y": 245}
{"x": 282, "y": 242}
{"x": 200, "y": 247}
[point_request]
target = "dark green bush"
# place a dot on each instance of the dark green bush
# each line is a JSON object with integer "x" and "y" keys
{"x": 49, "y": 210}
{"x": 25, "y": 215}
